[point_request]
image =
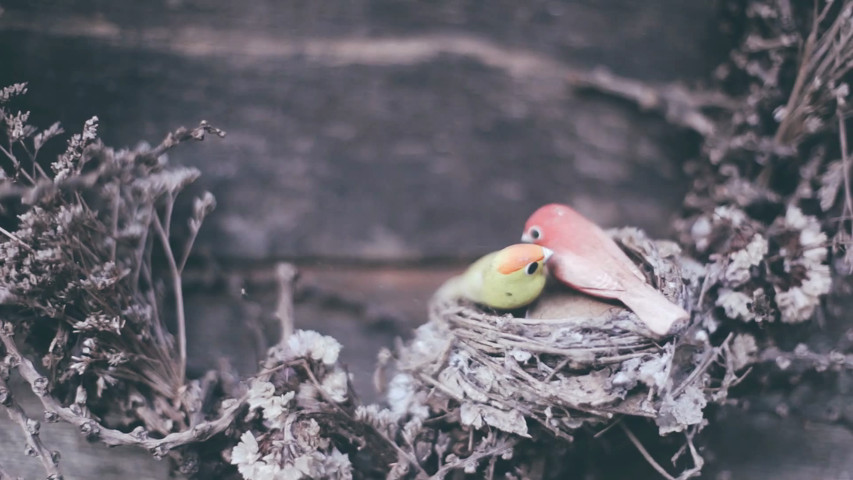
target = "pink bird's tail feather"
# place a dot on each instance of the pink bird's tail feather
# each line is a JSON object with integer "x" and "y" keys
{"x": 659, "y": 314}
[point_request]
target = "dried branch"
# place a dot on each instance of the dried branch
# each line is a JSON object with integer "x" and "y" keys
{"x": 95, "y": 430}
{"x": 35, "y": 446}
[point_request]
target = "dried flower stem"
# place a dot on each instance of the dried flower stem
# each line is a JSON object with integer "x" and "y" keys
{"x": 179, "y": 298}
{"x": 31, "y": 431}
{"x": 111, "y": 437}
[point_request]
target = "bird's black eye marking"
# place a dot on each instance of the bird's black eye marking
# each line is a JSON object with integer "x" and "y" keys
{"x": 531, "y": 269}
{"x": 535, "y": 234}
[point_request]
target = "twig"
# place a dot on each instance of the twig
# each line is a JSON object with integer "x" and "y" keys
{"x": 31, "y": 431}
{"x": 16, "y": 163}
{"x": 651, "y": 461}
{"x": 114, "y": 223}
{"x": 15, "y": 238}
{"x": 179, "y": 298}
{"x": 111, "y": 437}
{"x": 181, "y": 135}
{"x": 710, "y": 356}
{"x": 845, "y": 161}
{"x": 607, "y": 428}
{"x": 698, "y": 461}
{"x": 286, "y": 275}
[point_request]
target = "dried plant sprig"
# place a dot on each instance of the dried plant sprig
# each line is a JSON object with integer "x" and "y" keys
{"x": 826, "y": 59}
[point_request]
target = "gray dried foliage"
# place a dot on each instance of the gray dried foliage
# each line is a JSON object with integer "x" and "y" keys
{"x": 770, "y": 208}
{"x": 89, "y": 279}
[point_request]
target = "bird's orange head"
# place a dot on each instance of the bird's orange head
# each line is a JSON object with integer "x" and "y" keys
{"x": 521, "y": 256}
{"x": 545, "y": 225}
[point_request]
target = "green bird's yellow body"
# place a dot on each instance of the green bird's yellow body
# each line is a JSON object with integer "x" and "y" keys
{"x": 507, "y": 279}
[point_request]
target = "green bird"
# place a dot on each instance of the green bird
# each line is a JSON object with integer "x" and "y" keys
{"x": 507, "y": 279}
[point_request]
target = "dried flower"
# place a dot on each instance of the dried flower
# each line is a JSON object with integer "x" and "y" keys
{"x": 312, "y": 345}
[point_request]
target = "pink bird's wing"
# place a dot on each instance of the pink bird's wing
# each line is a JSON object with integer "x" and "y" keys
{"x": 603, "y": 240}
{"x": 586, "y": 275}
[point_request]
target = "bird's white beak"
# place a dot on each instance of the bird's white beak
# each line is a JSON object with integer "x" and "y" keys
{"x": 548, "y": 252}
{"x": 526, "y": 238}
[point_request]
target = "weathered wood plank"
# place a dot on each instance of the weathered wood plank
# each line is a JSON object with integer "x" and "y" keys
{"x": 375, "y": 129}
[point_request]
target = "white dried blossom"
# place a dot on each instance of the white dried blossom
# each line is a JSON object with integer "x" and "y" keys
{"x": 262, "y": 395}
{"x": 799, "y": 303}
{"x": 735, "y": 304}
{"x": 68, "y": 163}
{"x": 307, "y": 397}
{"x": 737, "y": 271}
{"x": 168, "y": 181}
{"x": 312, "y": 345}
{"x": 743, "y": 350}
{"x": 245, "y": 452}
{"x": 404, "y": 397}
{"x": 16, "y": 126}
{"x": 337, "y": 465}
{"x": 45, "y": 135}
{"x": 14, "y": 90}
{"x": 90, "y": 129}
{"x": 830, "y": 184}
{"x": 100, "y": 322}
{"x": 795, "y": 219}
{"x": 103, "y": 276}
{"x": 336, "y": 385}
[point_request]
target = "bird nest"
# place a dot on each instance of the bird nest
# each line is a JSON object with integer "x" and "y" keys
{"x": 569, "y": 359}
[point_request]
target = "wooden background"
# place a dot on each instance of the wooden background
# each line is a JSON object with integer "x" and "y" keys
{"x": 380, "y": 144}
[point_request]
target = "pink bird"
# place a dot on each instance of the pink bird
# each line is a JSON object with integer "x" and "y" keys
{"x": 587, "y": 259}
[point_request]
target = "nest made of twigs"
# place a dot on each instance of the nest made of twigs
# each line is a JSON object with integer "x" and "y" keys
{"x": 569, "y": 361}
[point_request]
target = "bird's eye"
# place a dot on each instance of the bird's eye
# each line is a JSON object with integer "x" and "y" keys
{"x": 535, "y": 233}
{"x": 531, "y": 268}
